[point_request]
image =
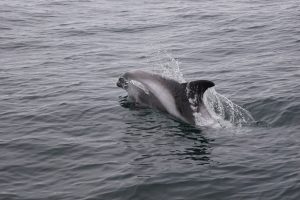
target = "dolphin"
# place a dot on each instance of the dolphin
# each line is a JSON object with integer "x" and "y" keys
{"x": 180, "y": 100}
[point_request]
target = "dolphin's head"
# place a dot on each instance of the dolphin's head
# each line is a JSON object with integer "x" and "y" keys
{"x": 123, "y": 81}
{"x": 127, "y": 78}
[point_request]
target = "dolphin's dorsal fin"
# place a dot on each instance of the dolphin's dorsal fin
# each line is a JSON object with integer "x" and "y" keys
{"x": 200, "y": 86}
{"x": 197, "y": 87}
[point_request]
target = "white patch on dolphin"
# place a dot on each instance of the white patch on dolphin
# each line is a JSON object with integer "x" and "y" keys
{"x": 165, "y": 97}
{"x": 140, "y": 85}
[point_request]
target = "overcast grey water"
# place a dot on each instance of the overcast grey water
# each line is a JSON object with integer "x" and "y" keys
{"x": 68, "y": 132}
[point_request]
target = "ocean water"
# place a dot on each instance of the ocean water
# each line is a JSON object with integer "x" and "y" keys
{"x": 68, "y": 132}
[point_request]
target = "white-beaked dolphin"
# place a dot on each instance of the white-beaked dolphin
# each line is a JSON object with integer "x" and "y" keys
{"x": 180, "y": 100}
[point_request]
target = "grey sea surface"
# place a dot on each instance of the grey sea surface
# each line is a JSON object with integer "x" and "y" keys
{"x": 67, "y": 131}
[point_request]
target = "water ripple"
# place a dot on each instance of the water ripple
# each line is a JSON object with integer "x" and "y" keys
{"x": 67, "y": 132}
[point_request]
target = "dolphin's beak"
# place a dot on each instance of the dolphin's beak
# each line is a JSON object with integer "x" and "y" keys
{"x": 119, "y": 83}
{"x": 122, "y": 83}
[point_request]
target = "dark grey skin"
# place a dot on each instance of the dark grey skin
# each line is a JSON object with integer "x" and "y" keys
{"x": 180, "y": 100}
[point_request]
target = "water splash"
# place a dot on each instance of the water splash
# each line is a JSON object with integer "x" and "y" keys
{"x": 167, "y": 66}
{"x": 225, "y": 112}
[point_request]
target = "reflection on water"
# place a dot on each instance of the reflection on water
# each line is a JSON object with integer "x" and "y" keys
{"x": 159, "y": 136}
{"x": 200, "y": 150}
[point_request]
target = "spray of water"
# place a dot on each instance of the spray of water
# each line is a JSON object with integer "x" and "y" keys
{"x": 225, "y": 112}
{"x": 167, "y": 66}
{"x": 218, "y": 111}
